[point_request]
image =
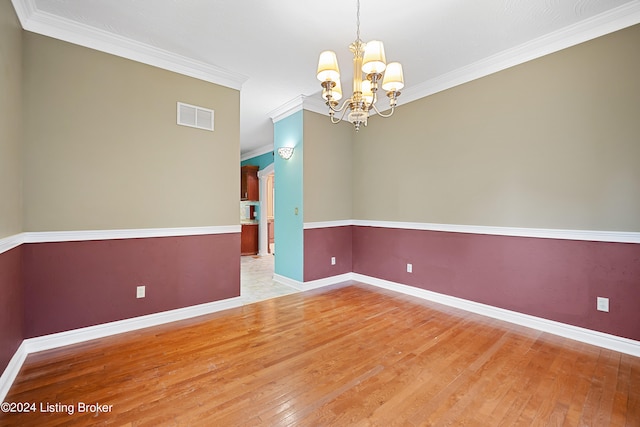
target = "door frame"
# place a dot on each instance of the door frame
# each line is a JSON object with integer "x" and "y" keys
{"x": 263, "y": 240}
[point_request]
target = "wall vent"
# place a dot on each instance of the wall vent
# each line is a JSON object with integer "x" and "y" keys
{"x": 195, "y": 117}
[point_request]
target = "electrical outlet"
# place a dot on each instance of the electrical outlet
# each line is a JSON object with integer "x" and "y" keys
{"x": 409, "y": 268}
{"x": 333, "y": 260}
{"x": 140, "y": 291}
{"x": 603, "y": 304}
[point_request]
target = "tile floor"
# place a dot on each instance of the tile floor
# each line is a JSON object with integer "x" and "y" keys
{"x": 256, "y": 280}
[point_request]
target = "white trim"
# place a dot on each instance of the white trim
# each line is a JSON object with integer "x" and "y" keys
{"x": 81, "y": 235}
{"x": 328, "y": 224}
{"x": 313, "y": 284}
{"x": 317, "y": 105}
{"x": 263, "y": 227}
{"x": 256, "y": 152}
{"x": 588, "y": 336}
{"x": 607, "y": 22}
{"x": 10, "y": 242}
{"x": 288, "y": 108}
{"x": 50, "y": 25}
{"x": 11, "y": 371}
{"x": 61, "y": 339}
{"x": 287, "y": 281}
{"x": 612, "y": 342}
{"x": 46, "y": 342}
{"x": 542, "y": 233}
{"x": 588, "y": 29}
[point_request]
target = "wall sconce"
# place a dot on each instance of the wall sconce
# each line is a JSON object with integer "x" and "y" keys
{"x": 285, "y": 152}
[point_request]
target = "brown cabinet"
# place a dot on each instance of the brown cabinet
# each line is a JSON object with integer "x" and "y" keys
{"x": 249, "y": 239}
{"x": 249, "y": 183}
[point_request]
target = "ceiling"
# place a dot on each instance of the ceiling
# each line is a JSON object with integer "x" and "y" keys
{"x": 269, "y": 49}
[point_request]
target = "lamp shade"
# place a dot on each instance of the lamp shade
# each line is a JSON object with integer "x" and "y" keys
{"x": 367, "y": 94}
{"x": 393, "y": 78}
{"x": 328, "y": 67}
{"x": 374, "y": 61}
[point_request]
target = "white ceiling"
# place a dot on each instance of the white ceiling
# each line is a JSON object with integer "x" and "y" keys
{"x": 269, "y": 49}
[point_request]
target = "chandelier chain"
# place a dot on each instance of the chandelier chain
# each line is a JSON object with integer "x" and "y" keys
{"x": 358, "y": 21}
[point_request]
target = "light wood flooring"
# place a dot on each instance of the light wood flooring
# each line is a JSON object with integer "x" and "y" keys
{"x": 349, "y": 355}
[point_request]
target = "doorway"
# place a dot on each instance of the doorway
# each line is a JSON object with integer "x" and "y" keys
{"x": 266, "y": 235}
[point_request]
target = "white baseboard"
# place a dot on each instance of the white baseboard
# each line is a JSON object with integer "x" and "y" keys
{"x": 11, "y": 371}
{"x": 31, "y": 345}
{"x": 48, "y": 342}
{"x": 313, "y": 284}
{"x": 600, "y": 339}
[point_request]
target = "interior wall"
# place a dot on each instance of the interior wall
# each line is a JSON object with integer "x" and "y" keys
{"x": 551, "y": 143}
{"x": 328, "y": 158}
{"x": 71, "y": 285}
{"x": 288, "y": 200}
{"x": 10, "y": 121}
{"x": 103, "y": 150}
{"x": 11, "y": 298}
{"x": 262, "y": 161}
{"x": 327, "y": 196}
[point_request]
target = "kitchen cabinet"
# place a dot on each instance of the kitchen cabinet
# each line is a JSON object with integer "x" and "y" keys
{"x": 249, "y": 239}
{"x": 249, "y": 183}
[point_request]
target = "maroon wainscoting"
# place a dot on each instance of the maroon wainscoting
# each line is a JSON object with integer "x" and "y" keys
{"x": 71, "y": 285}
{"x": 320, "y": 244}
{"x": 549, "y": 278}
{"x": 11, "y": 305}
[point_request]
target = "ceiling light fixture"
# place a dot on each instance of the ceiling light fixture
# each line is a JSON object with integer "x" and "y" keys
{"x": 368, "y": 61}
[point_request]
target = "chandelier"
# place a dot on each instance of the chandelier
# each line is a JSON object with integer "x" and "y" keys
{"x": 369, "y": 69}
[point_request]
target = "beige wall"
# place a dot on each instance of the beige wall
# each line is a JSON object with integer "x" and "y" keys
{"x": 552, "y": 143}
{"x": 327, "y": 169}
{"x": 103, "y": 151}
{"x": 10, "y": 121}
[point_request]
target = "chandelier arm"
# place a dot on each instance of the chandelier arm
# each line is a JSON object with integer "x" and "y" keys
{"x": 378, "y": 112}
{"x": 342, "y": 107}
{"x": 375, "y": 98}
{"x": 341, "y": 117}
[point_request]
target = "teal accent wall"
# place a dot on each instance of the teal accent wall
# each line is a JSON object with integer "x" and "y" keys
{"x": 262, "y": 161}
{"x": 288, "y": 223}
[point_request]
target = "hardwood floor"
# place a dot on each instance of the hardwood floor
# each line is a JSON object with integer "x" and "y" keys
{"x": 346, "y": 355}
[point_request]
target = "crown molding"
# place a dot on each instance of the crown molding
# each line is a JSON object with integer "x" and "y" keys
{"x": 588, "y": 29}
{"x": 288, "y": 108}
{"x": 597, "y": 26}
{"x": 300, "y": 102}
{"x": 256, "y": 152}
{"x": 316, "y": 104}
{"x": 50, "y": 25}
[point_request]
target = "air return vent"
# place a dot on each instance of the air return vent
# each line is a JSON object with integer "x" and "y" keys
{"x": 195, "y": 117}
